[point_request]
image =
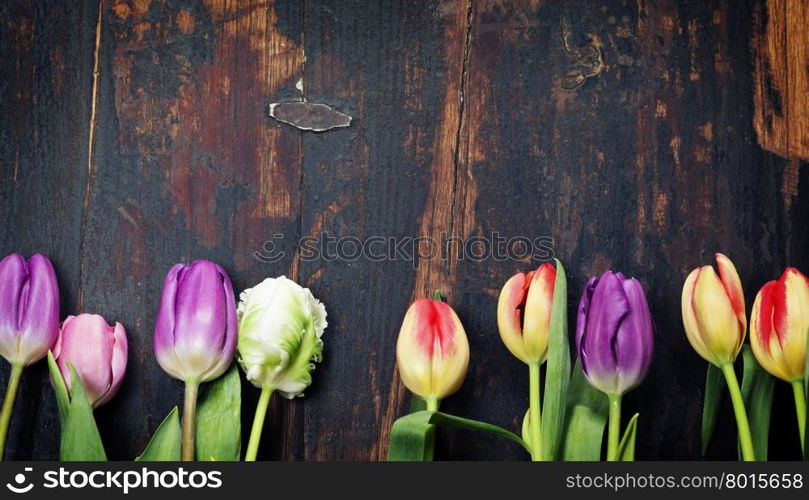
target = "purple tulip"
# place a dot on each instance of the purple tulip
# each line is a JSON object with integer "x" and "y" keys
{"x": 97, "y": 351}
{"x": 29, "y": 308}
{"x": 195, "y": 334}
{"x": 614, "y": 333}
{"x": 29, "y": 321}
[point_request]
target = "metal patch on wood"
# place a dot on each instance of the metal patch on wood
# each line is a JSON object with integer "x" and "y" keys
{"x": 309, "y": 116}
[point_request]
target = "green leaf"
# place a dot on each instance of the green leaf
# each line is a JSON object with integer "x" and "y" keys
{"x": 408, "y": 438}
{"x": 757, "y": 391}
{"x": 219, "y": 416}
{"x": 60, "y": 389}
{"x": 80, "y": 438}
{"x": 417, "y": 404}
{"x": 715, "y": 388}
{"x": 557, "y": 373}
{"x": 626, "y": 447}
{"x": 447, "y": 420}
{"x": 166, "y": 441}
{"x": 586, "y": 417}
{"x": 408, "y": 434}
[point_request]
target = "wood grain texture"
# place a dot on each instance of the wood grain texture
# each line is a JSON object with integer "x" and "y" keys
{"x": 189, "y": 166}
{"x": 371, "y": 180}
{"x": 781, "y": 50}
{"x": 639, "y": 136}
{"x": 47, "y": 53}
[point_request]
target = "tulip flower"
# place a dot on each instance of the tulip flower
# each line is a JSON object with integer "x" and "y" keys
{"x": 524, "y": 313}
{"x": 195, "y": 333}
{"x": 432, "y": 351}
{"x": 280, "y": 326}
{"x": 715, "y": 324}
{"x": 614, "y": 340}
{"x": 29, "y": 321}
{"x": 713, "y": 312}
{"x": 778, "y": 333}
{"x": 97, "y": 351}
{"x": 524, "y": 321}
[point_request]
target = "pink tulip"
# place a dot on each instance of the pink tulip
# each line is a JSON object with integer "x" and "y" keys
{"x": 97, "y": 352}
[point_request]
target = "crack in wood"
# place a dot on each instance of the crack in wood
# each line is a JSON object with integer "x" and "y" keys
{"x": 90, "y": 147}
{"x": 294, "y": 268}
{"x": 470, "y": 12}
{"x": 301, "y": 83}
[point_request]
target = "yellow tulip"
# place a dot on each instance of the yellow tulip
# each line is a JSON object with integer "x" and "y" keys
{"x": 713, "y": 312}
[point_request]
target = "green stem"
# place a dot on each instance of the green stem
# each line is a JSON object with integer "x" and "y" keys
{"x": 534, "y": 412}
{"x": 745, "y": 438}
{"x": 189, "y": 420}
{"x": 8, "y": 403}
{"x": 800, "y": 408}
{"x": 429, "y": 445}
{"x": 614, "y": 432}
{"x": 258, "y": 424}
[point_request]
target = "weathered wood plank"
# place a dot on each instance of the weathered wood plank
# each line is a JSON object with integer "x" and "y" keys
{"x": 626, "y": 135}
{"x": 385, "y": 64}
{"x": 781, "y": 49}
{"x": 640, "y": 136}
{"x": 188, "y": 166}
{"x": 46, "y": 49}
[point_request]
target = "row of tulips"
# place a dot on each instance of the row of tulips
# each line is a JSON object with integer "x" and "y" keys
{"x": 274, "y": 332}
{"x": 614, "y": 343}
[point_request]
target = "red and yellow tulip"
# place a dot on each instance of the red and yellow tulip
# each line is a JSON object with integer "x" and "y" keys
{"x": 432, "y": 351}
{"x": 778, "y": 331}
{"x": 524, "y": 313}
{"x": 779, "y": 324}
{"x": 713, "y": 312}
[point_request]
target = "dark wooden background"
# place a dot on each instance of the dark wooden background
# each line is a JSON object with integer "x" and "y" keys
{"x": 641, "y": 136}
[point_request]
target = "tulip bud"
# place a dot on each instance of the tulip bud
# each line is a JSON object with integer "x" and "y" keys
{"x": 280, "y": 325}
{"x": 432, "y": 351}
{"x": 614, "y": 333}
{"x": 524, "y": 313}
{"x": 779, "y": 324}
{"x": 195, "y": 334}
{"x": 29, "y": 308}
{"x": 713, "y": 312}
{"x": 97, "y": 352}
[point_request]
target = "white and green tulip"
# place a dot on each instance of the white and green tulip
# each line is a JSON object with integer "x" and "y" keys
{"x": 280, "y": 329}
